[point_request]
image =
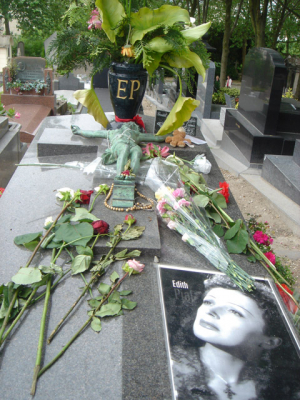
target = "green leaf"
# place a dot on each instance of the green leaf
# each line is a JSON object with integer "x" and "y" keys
{"x": 114, "y": 276}
{"x": 128, "y": 304}
{"x": 133, "y": 232}
{"x": 218, "y": 230}
{"x": 201, "y": 200}
{"x": 238, "y": 243}
{"x": 251, "y": 259}
{"x": 213, "y": 215}
{"x": 82, "y": 214}
{"x": 108, "y": 310}
{"x": 193, "y": 34}
{"x": 50, "y": 269}
{"x": 146, "y": 20}
{"x": 125, "y": 292}
{"x": 219, "y": 200}
{"x": 32, "y": 245}
{"x": 27, "y": 276}
{"x": 27, "y": 238}
{"x": 181, "y": 112}
{"x": 89, "y": 99}
{"x": 233, "y": 230}
{"x": 186, "y": 59}
{"x": 79, "y": 234}
{"x": 112, "y": 13}
{"x": 151, "y": 60}
{"x": 84, "y": 250}
{"x": 114, "y": 297}
{"x": 93, "y": 303}
{"x": 80, "y": 263}
{"x": 96, "y": 324}
{"x": 104, "y": 288}
{"x": 121, "y": 255}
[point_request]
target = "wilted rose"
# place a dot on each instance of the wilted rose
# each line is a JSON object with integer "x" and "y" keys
{"x": 85, "y": 196}
{"x": 136, "y": 265}
{"x": 100, "y": 227}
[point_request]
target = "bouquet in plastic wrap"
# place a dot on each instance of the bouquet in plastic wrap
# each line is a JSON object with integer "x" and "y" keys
{"x": 177, "y": 209}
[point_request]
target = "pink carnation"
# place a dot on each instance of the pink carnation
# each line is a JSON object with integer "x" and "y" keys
{"x": 180, "y": 192}
{"x": 270, "y": 256}
{"x": 183, "y": 202}
{"x": 164, "y": 152}
{"x": 161, "y": 206}
{"x": 262, "y": 238}
{"x": 172, "y": 225}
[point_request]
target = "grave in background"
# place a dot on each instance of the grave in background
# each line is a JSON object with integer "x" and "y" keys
{"x": 68, "y": 82}
{"x": 11, "y": 149}
{"x": 263, "y": 123}
{"x": 43, "y": 104}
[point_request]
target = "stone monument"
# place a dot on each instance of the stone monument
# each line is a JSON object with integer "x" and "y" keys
{"x": 260, "y": 125}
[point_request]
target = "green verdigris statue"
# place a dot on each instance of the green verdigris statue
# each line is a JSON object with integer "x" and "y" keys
{"x": 123, "y": 144}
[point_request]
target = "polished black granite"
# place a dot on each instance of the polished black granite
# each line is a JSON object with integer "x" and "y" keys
{"x": 261, "y": 89}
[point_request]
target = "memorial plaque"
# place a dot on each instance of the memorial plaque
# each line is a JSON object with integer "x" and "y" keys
{"x": 212, "y": 326}
{"x": 30, "y": 68}
{"x": 190, "y": 126}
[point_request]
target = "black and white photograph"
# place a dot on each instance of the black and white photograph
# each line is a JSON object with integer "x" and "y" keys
{"x": 224, "y": 343}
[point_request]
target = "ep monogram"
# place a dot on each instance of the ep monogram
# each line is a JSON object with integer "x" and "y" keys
{"x": 135, "y": 85}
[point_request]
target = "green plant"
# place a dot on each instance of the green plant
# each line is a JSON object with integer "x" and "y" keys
{"x": 162, "y": 38}
{"x": 20, "y": 86}
{"x": 219, "y": 98}
{"x": 288, "y": 94}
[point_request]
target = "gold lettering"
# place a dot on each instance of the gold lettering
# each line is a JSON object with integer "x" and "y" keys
{"x": 123, "y": 89}
{"x": 133, "y": 89}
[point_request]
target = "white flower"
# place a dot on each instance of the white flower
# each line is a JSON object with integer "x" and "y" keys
{"x": 172, "y": 225}
{"x": 185, "y": 237}
{"x": 65, "y": 193}
{"x": 48, "y": 221}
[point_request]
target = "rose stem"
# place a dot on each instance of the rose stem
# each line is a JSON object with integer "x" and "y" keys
{"x": 93, "y": 278}
{"x": 81, "y": 329}
{"x": 18, "y": 316}
{"x": 41, "y": 339}
{"x": 5, "y": 322}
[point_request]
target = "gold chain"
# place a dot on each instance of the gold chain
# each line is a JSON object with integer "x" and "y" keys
{"x": 137, "y": 206}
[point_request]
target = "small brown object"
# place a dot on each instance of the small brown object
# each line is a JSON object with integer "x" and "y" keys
{"x": 178, "y": 138}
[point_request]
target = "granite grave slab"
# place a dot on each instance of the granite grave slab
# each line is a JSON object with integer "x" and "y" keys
{"x": 128, "y": 359}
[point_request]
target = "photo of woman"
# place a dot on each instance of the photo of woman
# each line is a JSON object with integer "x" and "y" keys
{"x": 232, "y": 344}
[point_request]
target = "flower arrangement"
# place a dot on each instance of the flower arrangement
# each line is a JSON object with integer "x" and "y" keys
{"x": 19, "y": 86}
{"x": 159, "y": 38}
{"x": 74, "y": 231}
{"x": 152, "y": 150}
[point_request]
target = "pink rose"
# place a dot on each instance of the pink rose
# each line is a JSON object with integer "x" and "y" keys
{"x": 180, "y": 192}
{"x": 17, "y": 115}
{"x": 271, "y": 257}
{"x": 136, "y": 265}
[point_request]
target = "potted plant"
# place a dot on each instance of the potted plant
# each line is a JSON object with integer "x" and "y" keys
{"x": 147, "y": 39}
{"x": 34, "y": 87}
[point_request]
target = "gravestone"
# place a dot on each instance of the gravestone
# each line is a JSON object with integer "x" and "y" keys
{"x": 190, "y": 126}
{"x": 30, "y": 68}
{"x": 261, "y": 125}
{"x": 205, "y": 91}
{"x": 68, "y": 82}
{"x": 11, "y": 149}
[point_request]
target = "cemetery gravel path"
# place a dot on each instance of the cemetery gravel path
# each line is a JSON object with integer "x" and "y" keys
{"x": 251, "y": 202}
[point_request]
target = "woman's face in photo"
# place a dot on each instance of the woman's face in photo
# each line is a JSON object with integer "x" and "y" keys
{"x": 228, "y": 318}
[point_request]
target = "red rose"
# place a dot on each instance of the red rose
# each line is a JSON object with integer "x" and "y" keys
{"x": 291, "y": 306}
{"x": 1, "y": 191}
{"x": 129, "y": 219}
{"x": 85, "y": 196}
{"x": 100, "y": 227}
{"x": 224, "y": 191}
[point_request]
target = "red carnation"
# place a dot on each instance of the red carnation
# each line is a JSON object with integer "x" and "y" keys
{"x": 1, "y": 191}
{"x": 224, "y": 191}
{"x": 100, "y": 227}
{"x": 85, "y": 196}
{"x": 127, "y": 172}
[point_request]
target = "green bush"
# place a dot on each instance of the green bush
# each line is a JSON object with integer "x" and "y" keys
{"x": 33, "y": 47}
{"x": 219, "y": 98}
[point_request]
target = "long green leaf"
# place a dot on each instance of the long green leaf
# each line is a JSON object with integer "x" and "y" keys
{"x": 112, "y": 13}
{"x": 195, "y": 33}
{"x": 146, "y": 20}
{"x": 89, "y": 99}
{"x": 181, "y": 112}
{"x": 186, "y": 60}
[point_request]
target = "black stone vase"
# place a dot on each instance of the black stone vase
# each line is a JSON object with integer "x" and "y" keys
{"x": 127, "y": 84}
